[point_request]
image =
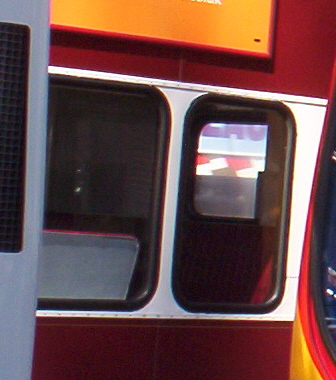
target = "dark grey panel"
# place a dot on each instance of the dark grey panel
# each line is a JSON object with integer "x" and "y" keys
{"x": 14, "y": 47}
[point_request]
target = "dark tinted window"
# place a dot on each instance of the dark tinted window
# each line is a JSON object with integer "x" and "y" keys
{"x": 105, "y": 166}
{"x": 230, "y": 245}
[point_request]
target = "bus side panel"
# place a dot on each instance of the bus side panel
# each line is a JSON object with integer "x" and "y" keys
{"x": 161, "y": 350}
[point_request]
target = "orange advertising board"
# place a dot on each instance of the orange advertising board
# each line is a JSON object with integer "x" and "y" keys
{"x": 241, "y": 26}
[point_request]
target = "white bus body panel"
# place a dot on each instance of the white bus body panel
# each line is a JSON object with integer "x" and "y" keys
{"x": 309, "y": 116}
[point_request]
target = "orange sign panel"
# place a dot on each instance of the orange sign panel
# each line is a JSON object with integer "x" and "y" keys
{"x": 235, "y": 25}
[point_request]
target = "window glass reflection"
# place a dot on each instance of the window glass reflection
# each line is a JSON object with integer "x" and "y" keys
{"x": 229, "y": 161}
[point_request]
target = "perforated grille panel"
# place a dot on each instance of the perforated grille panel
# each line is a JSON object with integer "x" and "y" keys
{"x": 14, "y": 43}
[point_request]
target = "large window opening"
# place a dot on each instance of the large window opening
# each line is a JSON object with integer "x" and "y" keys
{"x": 105, "y": 166}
